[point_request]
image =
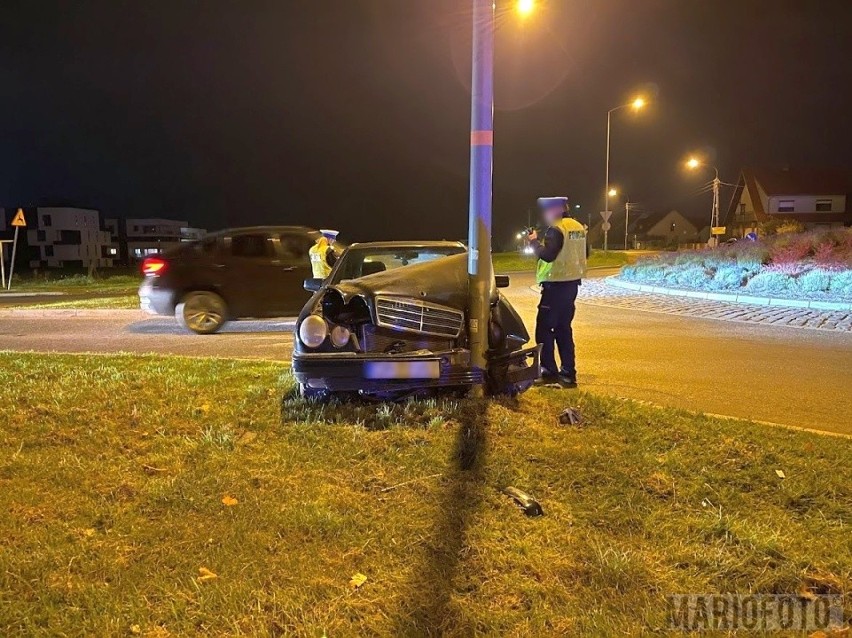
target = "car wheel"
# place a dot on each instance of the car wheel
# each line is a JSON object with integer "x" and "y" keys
{"x": 201, "y": 312}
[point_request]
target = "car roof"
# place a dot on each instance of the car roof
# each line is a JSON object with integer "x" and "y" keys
{"x": 409, "y": 244}
{"x": 264, "y": 229}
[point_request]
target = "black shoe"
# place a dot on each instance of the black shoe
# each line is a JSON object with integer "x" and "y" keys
{"x": 548, "y": 378}
{"x": 567, "y": 381}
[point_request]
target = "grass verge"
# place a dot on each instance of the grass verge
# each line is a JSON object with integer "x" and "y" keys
{"x": 516, "y": 262}
{"x": 162, "y": 496}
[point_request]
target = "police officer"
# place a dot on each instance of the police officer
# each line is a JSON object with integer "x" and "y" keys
{"x": 322, "y": 254}
{"x": 561, "y": 265}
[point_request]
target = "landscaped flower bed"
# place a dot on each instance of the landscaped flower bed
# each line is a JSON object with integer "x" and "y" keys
{"x": 811, "y": 265}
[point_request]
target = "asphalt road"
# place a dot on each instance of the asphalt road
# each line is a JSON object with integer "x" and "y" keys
{"x": 788, "y": 376}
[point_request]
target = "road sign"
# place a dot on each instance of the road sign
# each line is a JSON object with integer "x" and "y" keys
{"x": 19, "y": 221}
{"x": 606, "y": 226}
{"x": 718, "y": 230}
{"x": 606, "y": 214}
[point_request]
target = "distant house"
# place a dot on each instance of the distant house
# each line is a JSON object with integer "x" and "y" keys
{"x": 661, "y": 229}
{"x": 66, "y": 236}
{"x": 812, "y": 198}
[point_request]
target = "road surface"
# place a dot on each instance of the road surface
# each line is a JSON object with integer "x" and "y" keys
{"x": 790, "y": 376}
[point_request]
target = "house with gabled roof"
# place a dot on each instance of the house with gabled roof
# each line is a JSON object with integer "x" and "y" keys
{"x": 813, "y": 198}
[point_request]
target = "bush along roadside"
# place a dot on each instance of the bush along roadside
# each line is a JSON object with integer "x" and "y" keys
{"x": 811, "y": 265}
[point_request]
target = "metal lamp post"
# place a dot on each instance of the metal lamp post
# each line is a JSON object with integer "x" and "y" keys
{"x": 479, "y": 267}
{"x": 636, "y": 105}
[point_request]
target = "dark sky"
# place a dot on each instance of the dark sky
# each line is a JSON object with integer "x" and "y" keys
{"x": 355, "y": 113}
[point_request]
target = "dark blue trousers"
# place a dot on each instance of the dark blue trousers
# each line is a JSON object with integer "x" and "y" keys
{"x": 553, "y": 326}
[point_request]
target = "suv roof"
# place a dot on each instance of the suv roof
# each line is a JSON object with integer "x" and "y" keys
{"x": 266, "y": 229}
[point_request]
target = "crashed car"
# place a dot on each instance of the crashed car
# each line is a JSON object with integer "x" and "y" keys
{"x": 392, "y": 321}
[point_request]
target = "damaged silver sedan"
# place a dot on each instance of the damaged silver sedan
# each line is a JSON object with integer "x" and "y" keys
{"x": 391, "y": 322}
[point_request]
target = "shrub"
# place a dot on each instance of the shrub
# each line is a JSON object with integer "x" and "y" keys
{"x": 770, "y": 282}
{"x": 690, "y": 276}
{"x": 841, "y": 284}
{"x": 814, "y": 281}
{"x": 729, "y": 277}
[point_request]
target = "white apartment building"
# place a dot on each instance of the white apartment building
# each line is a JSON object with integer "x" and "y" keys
{"x": 63, "y": 236}
{"x": 149, "y": 236}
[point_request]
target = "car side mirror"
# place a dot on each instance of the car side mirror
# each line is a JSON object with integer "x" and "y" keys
{"x": 313, "y": 284}
{"x": 502, "y": 281}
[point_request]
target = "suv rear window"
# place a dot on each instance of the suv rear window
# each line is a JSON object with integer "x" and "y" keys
{"x": 252, "y": 246}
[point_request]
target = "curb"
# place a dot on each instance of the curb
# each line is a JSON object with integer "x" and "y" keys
{"x": 729, "y": 297}
{"x": 57, "y": 313}
{"x": 17, "y": 295}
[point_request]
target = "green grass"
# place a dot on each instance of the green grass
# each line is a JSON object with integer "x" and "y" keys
{"x": 77, "y": 284}
{"x": 516, "y": 262}
{"x": 120, "y": 302}
{"x": 114, "y": 468}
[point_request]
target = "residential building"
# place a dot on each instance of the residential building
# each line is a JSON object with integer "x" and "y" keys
{"x": 646, "y": 229}
{"x": 66, "y": 236}
{"x": 139, "y": 237}
{"x": 813, "y": 198}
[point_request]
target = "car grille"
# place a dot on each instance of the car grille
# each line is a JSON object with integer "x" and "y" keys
{"x": 413, "y": 315}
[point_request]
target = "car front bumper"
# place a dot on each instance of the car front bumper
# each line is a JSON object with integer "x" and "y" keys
{"x": 377, "y": 372}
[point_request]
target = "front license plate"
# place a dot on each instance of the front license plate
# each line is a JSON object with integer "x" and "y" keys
{"x": 402, "y": 370}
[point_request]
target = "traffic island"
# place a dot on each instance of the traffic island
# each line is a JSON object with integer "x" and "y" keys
{"x": 148, "y": 495}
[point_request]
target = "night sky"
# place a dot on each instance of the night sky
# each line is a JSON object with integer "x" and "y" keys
{"x": 355, "y": 113}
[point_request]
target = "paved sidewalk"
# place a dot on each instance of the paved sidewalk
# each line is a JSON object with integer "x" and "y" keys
{"x": 599, "y": 292}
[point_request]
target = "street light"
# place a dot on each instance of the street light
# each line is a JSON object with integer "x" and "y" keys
{"x": 637, "y": 104}
{"x": 693, "y": 163}
{"x": 479, "y": 266}
{"x": 612, "y": 192}
{"x": 525, "y": 7}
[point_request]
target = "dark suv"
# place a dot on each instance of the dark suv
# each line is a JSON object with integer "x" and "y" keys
{"x": 238, "y": 273}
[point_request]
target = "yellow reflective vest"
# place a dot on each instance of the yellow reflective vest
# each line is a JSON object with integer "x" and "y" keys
{"x": 319, "y": 263}
{"x": 570, "y": 263}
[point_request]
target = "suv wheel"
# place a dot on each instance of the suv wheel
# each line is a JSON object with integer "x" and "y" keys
{"x": 202, "y": 312}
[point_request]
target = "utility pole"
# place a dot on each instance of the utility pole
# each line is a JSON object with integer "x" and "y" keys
{"x": 626, "y": 220}
{"x": 479, "y": 265}
{"x": 714, "y": 218}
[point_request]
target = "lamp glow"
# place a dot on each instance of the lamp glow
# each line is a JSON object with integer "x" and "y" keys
{"x": 525, "y": 7}
{"x": 613, "y": 192}
{"x": 693, "y": 163}
{"x": 638, "y": 103}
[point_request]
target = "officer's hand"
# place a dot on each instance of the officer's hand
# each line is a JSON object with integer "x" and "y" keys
{"x": 532, "y": 235}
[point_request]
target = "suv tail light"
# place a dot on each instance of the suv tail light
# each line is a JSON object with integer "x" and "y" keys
{"x": 154, "y": 266}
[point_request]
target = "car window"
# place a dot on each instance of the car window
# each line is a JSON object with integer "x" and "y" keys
{"x": 252, "y": 246}
{"x": 294, "y": 249}
{"x": 360, "y": 262}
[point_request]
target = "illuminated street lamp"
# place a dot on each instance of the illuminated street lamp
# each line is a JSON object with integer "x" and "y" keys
{"x": 612, "y": 192}
{"x": 479, "y": 266}
{"x": 693, "y": 163}
{"x": 637, "y": 104}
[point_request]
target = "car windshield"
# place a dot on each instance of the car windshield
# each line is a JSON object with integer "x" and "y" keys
{"x": 359, "y": 262}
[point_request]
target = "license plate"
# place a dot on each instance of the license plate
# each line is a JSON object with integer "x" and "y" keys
{"x": 402, "y": 370}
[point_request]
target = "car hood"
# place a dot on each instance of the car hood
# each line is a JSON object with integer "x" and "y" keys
{"x": 442, "y": 281}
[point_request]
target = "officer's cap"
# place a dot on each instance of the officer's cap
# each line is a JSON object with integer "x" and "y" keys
{"x": 551, "y": 202}
{"x": 331, "y": 234}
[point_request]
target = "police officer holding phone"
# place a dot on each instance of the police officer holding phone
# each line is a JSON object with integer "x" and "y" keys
{"x": 562, "y": 254}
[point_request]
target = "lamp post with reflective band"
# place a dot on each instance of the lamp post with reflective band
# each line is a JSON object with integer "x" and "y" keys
{"x": 481, "y": 180}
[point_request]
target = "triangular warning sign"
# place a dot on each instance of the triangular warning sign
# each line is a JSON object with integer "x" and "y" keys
{"x": 606, "y": 214}
{"x": 19, "y": 220}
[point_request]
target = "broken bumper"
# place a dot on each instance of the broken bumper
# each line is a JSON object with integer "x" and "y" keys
{"x": 372, "y": 372}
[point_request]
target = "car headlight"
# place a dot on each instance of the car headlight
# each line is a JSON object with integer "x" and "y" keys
{"x": 313, "y": 331}
{"x": 340, "y": 336}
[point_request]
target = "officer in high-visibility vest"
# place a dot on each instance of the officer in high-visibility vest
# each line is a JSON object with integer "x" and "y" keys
{"x": 562, "y": 254}
{"x": 322, "y": 254}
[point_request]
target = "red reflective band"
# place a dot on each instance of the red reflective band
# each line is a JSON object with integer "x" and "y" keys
{"x": 153, "y": 266}
{"x": 482, "y": 138}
